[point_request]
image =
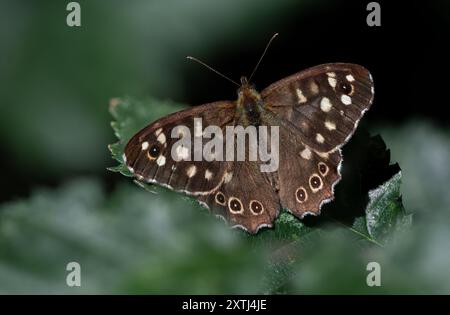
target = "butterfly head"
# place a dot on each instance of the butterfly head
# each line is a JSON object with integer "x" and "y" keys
{"x": 247, "y": 92}
{"x": 244, "y": 81}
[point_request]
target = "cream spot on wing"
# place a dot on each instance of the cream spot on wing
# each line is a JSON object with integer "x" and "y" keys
{"x": 208, "y": 175}
{"x": 158, "y": 131}
{"x": 350, "y": 78}
{"x": 314, "y": 88}
{"x": 330, "y": 125}
{"x": 323, "y": 155}
{"x": 227, "y": 177}
{"x": 191, "y": 171}
{"x": 332, "y": 82}
{"x": 331, "y": 74}
{"x": 161, "y": 160}
{"x": 301, "y": 98}
{"x": 325, "y": 104}
{"x": 346, "y": 100}
{"x": 320, "y": 138}
{"x": 161, "y": 138}
{"x": 306, "y": 154}
{"x": 144, "y": 146}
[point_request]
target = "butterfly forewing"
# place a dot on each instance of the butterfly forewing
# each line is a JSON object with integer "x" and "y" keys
{"x": 150, "y": 158}
{"x": 322, "y": 105}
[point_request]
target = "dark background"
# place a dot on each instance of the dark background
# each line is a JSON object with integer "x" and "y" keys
{"x": 406, "y": 55}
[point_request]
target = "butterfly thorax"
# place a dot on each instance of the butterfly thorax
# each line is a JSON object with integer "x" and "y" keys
{"x": 249, "y": 104}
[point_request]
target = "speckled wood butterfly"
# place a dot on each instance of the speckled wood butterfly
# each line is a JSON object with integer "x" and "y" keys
{"x": 317, "y": 111}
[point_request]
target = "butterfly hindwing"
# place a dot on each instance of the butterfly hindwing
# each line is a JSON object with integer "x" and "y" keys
{"x": 322, "y": 105}
{"x": 246, "y": 198}
{"x": 308, "y": 180}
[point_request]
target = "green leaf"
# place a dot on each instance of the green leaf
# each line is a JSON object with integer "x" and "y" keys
{"x": 385, "y": 212}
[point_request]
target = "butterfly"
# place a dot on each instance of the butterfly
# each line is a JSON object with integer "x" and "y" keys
{"x": 316, "y": 111}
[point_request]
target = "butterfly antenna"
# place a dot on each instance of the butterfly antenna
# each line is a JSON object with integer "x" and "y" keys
{"x": 212, "y": 69}
{"x": 262, "y": 56}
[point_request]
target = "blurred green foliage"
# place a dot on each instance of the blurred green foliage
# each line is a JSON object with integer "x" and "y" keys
{"x": 132, "y": 242}
{"x": 56, "y": 78}
{"x": 138, "y": 242}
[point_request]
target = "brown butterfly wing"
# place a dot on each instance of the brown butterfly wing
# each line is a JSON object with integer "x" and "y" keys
{"x": 322, "y": 105}
{"x": 307, "y": 181}
{"x": 247, "y": 198}
{"x": 318, "y": 110}
{"x": 158, "y": 165}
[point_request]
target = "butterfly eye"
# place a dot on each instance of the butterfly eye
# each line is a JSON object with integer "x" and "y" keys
{"x": 345, "y": 88}
{"x": 154, "y": 151}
